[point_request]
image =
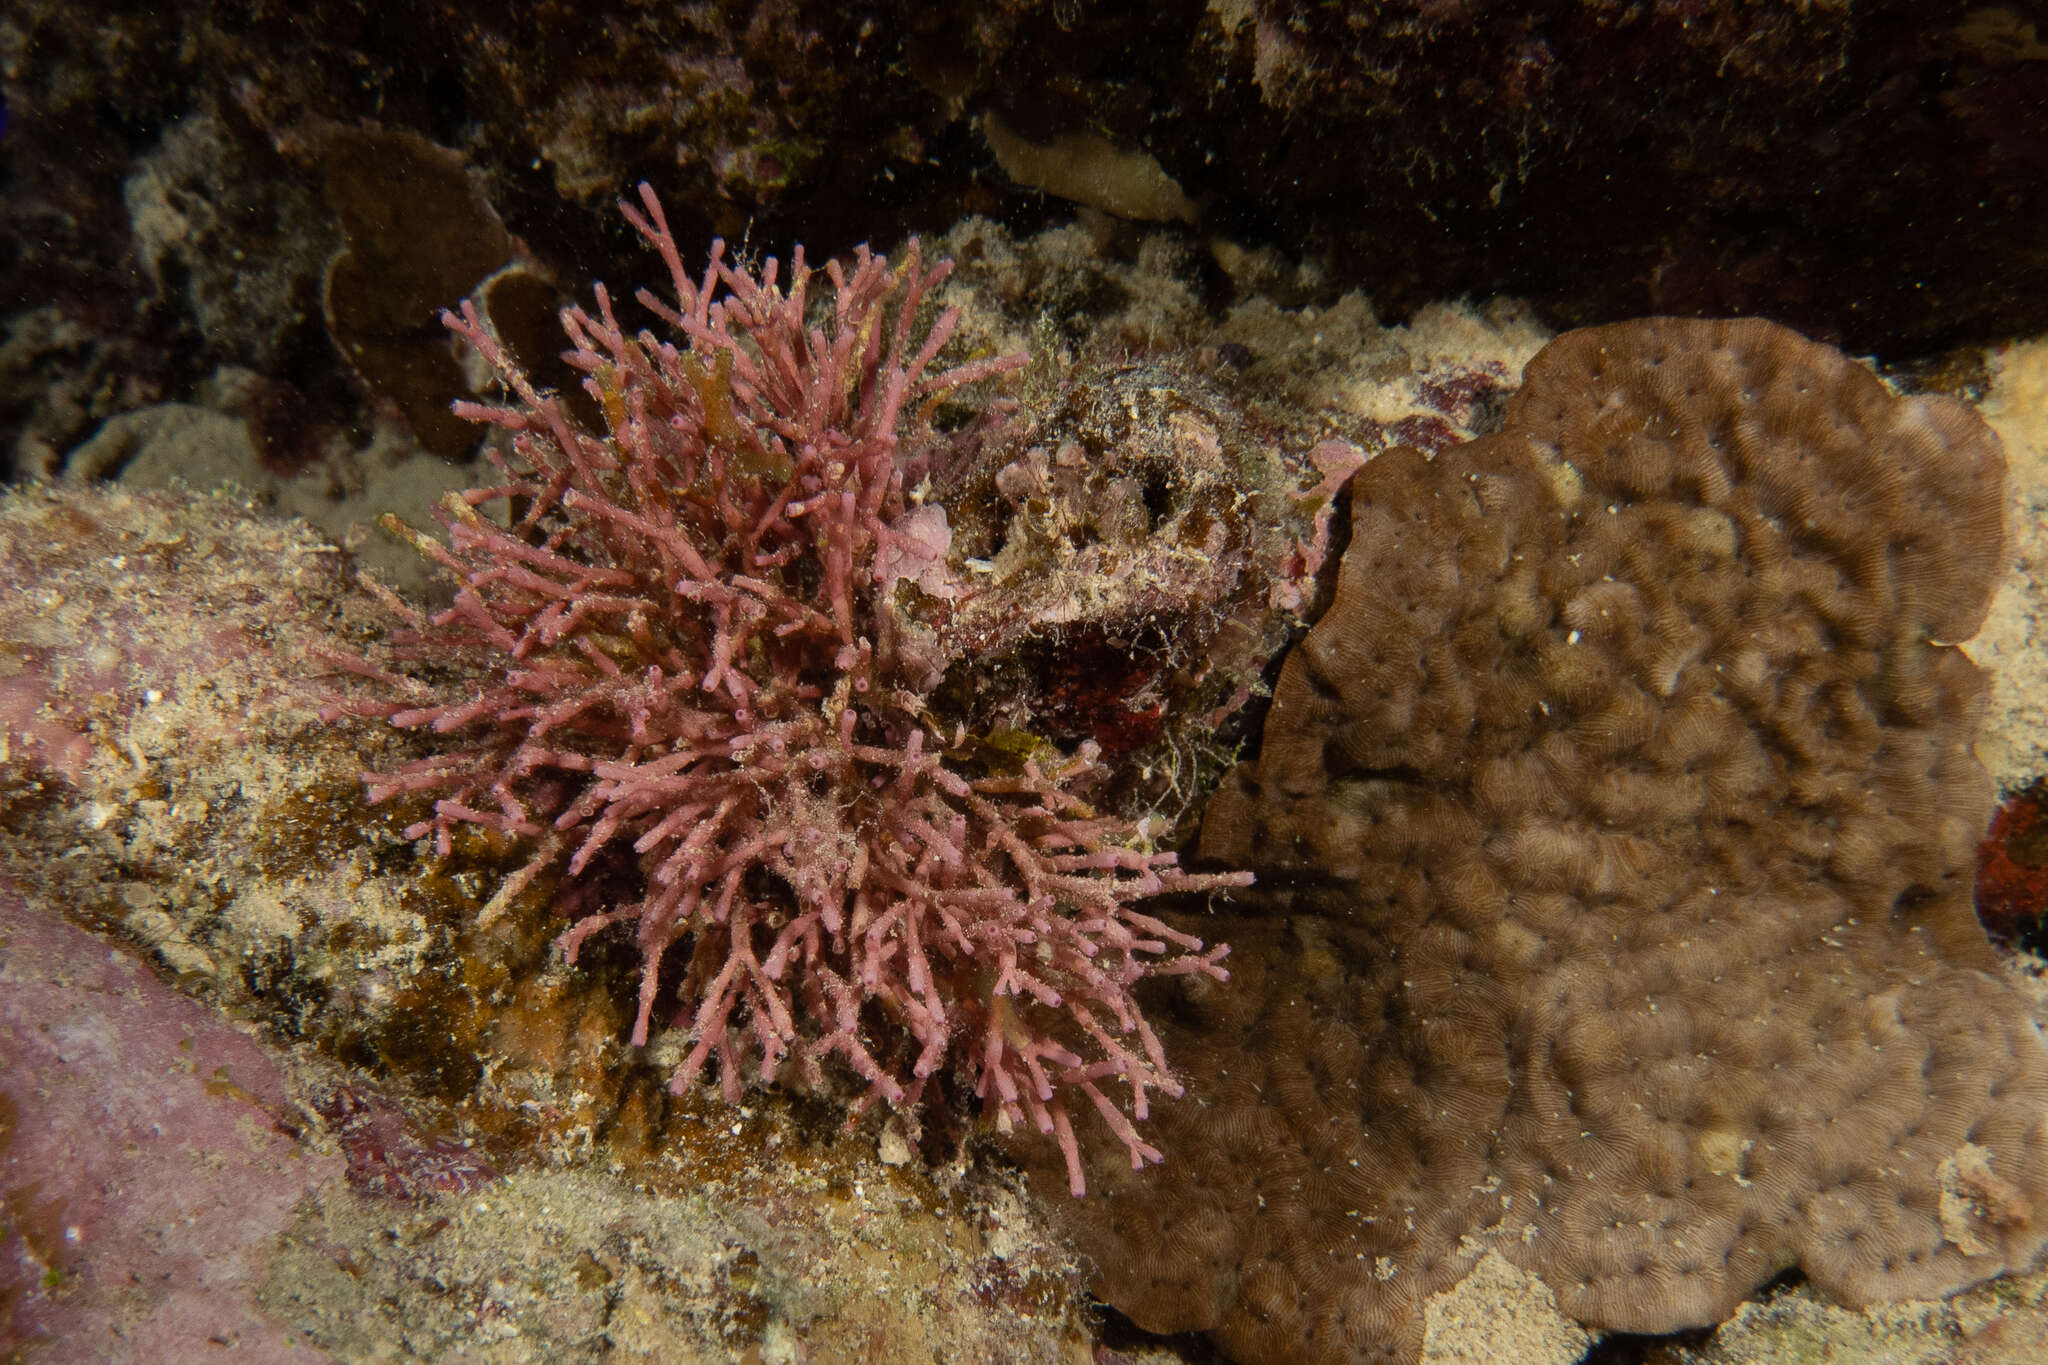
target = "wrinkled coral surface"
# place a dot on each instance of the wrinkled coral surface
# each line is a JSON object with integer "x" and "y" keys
{"x": 1615, "y": 832}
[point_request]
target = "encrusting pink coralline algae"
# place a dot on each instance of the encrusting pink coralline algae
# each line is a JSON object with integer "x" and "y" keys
{"x": 677, "y": 638}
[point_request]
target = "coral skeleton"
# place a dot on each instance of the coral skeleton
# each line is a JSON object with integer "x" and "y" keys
{"x": 676, "y": 639}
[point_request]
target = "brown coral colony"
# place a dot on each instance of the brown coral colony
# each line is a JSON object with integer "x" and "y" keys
{"x": 1614, "y": 832}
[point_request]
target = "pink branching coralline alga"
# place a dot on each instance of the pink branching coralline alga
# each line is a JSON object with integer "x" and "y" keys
{"x": 680, "y": 638}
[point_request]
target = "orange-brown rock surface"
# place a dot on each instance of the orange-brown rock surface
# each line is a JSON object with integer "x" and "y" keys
{"x": 1614, "y": 833}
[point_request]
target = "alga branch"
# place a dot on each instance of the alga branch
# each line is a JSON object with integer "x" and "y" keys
{"x": 672, "y": 644}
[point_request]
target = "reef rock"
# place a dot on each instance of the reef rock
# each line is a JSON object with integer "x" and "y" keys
{"x": 1614, "y": 831}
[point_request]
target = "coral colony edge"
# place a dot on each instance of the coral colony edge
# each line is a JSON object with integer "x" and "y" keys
{"x": 1613, "y": 826}
{"x": 682, "y": 667}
